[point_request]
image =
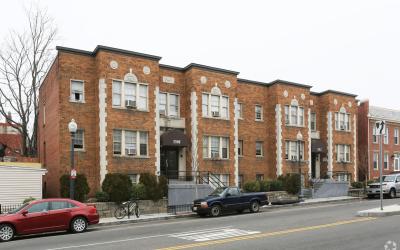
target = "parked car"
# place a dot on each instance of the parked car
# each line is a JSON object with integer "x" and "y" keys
{"x": 47, "y": 215}
{"x": 229, "y": 199}
{"x": 390, "y": 186}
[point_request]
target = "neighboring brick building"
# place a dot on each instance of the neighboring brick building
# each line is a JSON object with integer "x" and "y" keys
{"x": 369, "y": 142}
{"x": 136, "y": 115}
{"x": 10, "y": 140}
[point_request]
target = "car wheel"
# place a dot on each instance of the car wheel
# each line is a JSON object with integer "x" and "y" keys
{"x": 7, "y": 232}
{"x": 392, "y": 194}
{"x": 78, "y": 225}
{"x": 254, "y": 207}
{"x": 216, "y": 210}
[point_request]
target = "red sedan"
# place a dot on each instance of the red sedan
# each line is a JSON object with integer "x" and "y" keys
{"x": 47, "y": 215}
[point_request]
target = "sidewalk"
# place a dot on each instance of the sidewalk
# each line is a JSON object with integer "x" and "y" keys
{"x": 165, "y": 216}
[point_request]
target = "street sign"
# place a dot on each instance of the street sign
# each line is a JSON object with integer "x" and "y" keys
{"x": 73, "y": 174}
{"x": 380, "y": 127}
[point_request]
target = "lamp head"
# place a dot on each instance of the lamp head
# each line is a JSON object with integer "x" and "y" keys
{"x": 72, "y": 126}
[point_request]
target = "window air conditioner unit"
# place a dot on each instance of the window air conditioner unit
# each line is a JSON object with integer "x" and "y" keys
{"x": 294, "y": 158}
{"x": 214, "y": 155}
{"x": 130, "y": 104}
{"x": 215, "y": 114}
{"x": 342, "y": 127}
{"x": 131, "y": 151}
{"x": 163, "y": 112}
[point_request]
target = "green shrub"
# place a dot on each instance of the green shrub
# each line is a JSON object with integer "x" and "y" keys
{"x": 291, "y": 183}
{"x": 252, "y": 186}
{"x": 27, "y": 200}
{"x": 81, "y": 187}
{"x": 102, "y": 196}
{"x": 154, "y": 190}
{"x": 276, "y": 185}
{"x": 138, "y": 191}
{"x": 117, "y": 186}
{"x": 357, "y": 184}
{"x": 265, "y": 186}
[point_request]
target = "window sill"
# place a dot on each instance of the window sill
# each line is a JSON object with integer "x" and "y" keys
{"x": 216, "y": 118}
{"x": 346, "y": 131}
{"x": 124, "y": 108}
{"x": 294, "y": 126}
{"x": 259, "y": 156}
{"x": 131, "y": 157}
{"x": 215, "y": 159}
{"x": 170, "y": 117}
{"x": 346, "y": 162}
{"x": 74, "y": 101}
{"x": 79, "y": 150}
{"x": 256, "y": 120}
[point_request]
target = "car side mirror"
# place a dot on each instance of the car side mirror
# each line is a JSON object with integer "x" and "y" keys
{"x": 24, "y": 213}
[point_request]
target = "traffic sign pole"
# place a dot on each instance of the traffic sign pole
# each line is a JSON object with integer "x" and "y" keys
{"x": 381, "y": 168}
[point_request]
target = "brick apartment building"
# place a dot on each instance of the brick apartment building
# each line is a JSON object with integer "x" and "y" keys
{"x": 10, "y": 141}
{"x": 136, "y": 115}
{"x": 369, "y": 142}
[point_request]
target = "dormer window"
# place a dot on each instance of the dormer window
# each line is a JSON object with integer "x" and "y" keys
{"x": 342, "y": 120}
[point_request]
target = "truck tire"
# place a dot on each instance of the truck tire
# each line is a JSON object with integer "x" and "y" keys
{"x": 392, "y": 193}
{"x": 215, "y": 211}
{"x": 254, "y": 207}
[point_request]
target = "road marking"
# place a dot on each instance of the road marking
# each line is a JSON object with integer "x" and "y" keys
{"x": 269, "y": 234}
{"x": 213, "y": 234}
{"x": 139, "y": 238}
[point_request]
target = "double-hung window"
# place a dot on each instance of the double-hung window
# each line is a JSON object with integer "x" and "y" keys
{"x": 396, "y": 163}
{"x": 313, "y": 123}
{"x": 342, "y": 153}
{"x": 129, "y": 95}
{"x": 386, "y": 161}
{"x": 79, "y": 139}
{"x": 375, "y": 160}
{"x": 292, "y": 150}
{"x": 259, "y": 148}
{"x": 294, "y": 115}
{"x": 240, "y": 110}
{"x": 386, "y": 136}
{"x": 374, "y": 135}
{"x": 169, "y": 104}
{"x": 215, "y": 147}
{"x": 130, "y": 143}
{"x": 342, "y": 121}
{"x": 216, "y": 106}
{"x": 259, "y": 112}
{"x": 77, "y": 91}
{"x": 396, "y": 136}
{"x": 240, "y": 148}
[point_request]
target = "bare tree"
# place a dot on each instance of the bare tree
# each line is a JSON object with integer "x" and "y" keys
{"x": 24, "y": 59}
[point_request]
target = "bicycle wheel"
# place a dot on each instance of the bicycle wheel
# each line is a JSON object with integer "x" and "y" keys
{"x": 120, "y": 213}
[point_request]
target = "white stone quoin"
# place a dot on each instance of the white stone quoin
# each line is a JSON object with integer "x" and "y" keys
{"x": 355, "y": 147}
{"x": 309, "y": 144}
{"x": 194, "y": 127}
{"x": 278, "y": 118}
{"x": 102, "y": 129}
{"x": 157, "y": 129}
{"x": 236, "y": 140}
{"x": 330, "y": 144}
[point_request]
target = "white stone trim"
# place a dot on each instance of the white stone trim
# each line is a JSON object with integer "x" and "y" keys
{"x": 157, "y": 129}
{"x": 102, "y": 129}
{"x": 194, "y": 127}
{"x": 309, "y": 144}
{"x": 355, "y": 146}
{"x": 330, "y": 144}
{"x": 278, "y": 118}
{"x": 236, "y": 140}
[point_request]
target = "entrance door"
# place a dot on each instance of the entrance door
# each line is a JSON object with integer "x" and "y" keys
{"x": 315, "y": 166}
{"x": 170, "y": 162}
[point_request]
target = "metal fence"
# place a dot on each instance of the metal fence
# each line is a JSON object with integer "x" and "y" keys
{"x": 179, "y": 209}
{"x": 9, "y": 207}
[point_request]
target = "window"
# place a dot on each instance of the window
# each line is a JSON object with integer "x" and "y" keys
{"x": 374, "y": 135}
{"x": 169, "y": 104}
{"x": 259, "y": 113}
{"x": 134, "y": 178}
{"x": 116, "y": 93}
{"x": 259, "y": 177}
{"x": 233, "y": 191}
{"x": 396, "y": 136}
{"x": 215, "y": 147}
{"x": 259, "y": 148}
{"x": 240, "y": 110}
{"x": 386, "y": 161}
{"x": 39, "y": 207}
{"x": 342, "y": 153}
{"x": 225, "y": 179}
{"x": 292, "y": 150}
{"x": 117, "y": 134}
{"x": 342, "y": 121}
{"x": 313, "y": 123}
{"x": 56, "y": 205}
{"x": 240, "y": 148}
{"x": 129, "y": 95}
{"x": 241, "y": 179}
{"x": 294, "y": 116}
{"x": 376, "y": 158}
{"x": 344, "y": 177}
{"x": 130, "y": 143}
{"x": 396, "y": 163}
{"x": 77, "y": 91}
{"x": 386, "y": 136}
{"x": 215, "y": 106}
{"x": 44, "y": 115}
{"x": 78, "y": 139}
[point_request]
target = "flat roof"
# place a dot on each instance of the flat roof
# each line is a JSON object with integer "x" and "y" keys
{"x": 330, "y": 91}
{"x": 279, "y": 81}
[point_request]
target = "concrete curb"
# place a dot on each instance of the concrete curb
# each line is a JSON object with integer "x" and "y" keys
{"x": 187, "y": 215}
{"x": 390, "y": 211}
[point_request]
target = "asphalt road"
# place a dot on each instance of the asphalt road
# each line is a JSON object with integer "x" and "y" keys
{"x": 329, "y": 226}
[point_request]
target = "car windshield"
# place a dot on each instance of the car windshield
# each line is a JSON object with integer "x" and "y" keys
{"x": 389, "y": 178}
{"x": 218, "y": 192}
{"x": 18, "y": 209}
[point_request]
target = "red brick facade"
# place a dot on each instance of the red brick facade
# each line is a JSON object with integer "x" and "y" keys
{"x": 99, "y": 119}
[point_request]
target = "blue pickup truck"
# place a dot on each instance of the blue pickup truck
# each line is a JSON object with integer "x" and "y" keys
{"x": 229, "y": 199}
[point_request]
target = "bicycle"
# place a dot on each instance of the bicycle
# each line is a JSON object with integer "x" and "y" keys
{"x": 130, "y": 207}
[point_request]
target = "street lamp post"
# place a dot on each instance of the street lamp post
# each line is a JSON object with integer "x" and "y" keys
{"x": 72, "y": 127}
{"x": 299, "y": 138}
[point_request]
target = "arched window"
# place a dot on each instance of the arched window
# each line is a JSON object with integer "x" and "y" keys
{"x": 342, "y": 120}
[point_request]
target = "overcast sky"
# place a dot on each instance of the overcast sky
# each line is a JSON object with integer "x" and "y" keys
{"x": 350, "y": 46}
